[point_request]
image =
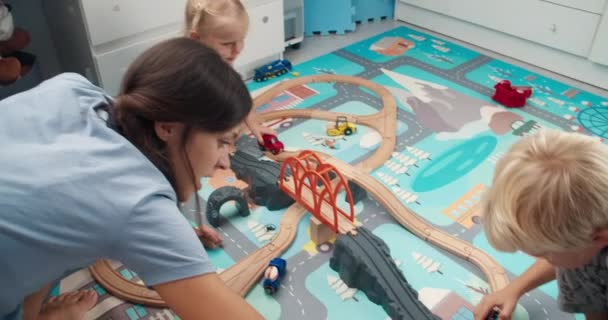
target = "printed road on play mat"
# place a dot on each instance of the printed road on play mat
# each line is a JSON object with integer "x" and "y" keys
{"x": 450, "y": 135}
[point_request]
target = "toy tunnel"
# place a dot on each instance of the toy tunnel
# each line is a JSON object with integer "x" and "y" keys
{"x": 219, "y": 197}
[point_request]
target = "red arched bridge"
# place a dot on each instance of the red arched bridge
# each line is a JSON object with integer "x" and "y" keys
{"x": 316, "y": 186}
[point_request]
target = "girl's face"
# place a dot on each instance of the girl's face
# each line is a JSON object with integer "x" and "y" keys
{"x": 227, "y": 38}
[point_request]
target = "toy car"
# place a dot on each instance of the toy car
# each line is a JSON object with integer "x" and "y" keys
{"x": 272, "y": 144}
{"x": 511, "y": 96}
{"x": 272, "y": 70}
{"x": 493, "y": 315}
{"x": 273, "y": 274}
{"x": 342, "y": 127}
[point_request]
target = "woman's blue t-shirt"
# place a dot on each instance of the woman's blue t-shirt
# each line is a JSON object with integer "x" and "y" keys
{"x": 72, "y": 191}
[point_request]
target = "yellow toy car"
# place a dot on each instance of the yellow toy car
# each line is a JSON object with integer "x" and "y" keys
{"x": 342, "y": 127}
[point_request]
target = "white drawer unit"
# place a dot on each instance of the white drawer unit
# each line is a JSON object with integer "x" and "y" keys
{"x": 265, "y": 39}
{"x": 569, "y": 37}
{"x": 112, "y": 65}
{"x": 594, "y": 6}
{"x": 556, "y": 26}
{"x": 100, "y": 39}
{"x": 108, "y": 20}
{"x": 599, "y": 51}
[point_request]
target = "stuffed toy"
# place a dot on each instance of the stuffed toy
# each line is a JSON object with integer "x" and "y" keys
{"x": 14, "y": 63}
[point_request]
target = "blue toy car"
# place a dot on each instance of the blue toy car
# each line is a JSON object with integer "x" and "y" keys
{"x": 273, "y": 274}
{"x": 272, "y": 70}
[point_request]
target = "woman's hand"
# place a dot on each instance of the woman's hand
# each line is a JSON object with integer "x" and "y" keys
{"x": 210, "y": 238}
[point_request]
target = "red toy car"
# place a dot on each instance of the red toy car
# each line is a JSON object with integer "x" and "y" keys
{"x": 272, "y": 144}
{"x": 511, "y": 96}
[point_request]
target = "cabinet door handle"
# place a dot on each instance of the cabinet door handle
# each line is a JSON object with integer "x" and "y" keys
{"x": 553, "y": 28}
{"x": 265, "y": 19}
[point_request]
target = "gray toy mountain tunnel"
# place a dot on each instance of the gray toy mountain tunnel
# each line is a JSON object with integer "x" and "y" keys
{"x": 364, "y": 261}
{"x": 222, "y": 195}
{"x": 262, "y": 177}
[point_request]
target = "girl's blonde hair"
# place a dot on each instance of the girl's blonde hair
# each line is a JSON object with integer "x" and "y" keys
{"x": 549, "y": 194}
{"x": 203, "y": 15}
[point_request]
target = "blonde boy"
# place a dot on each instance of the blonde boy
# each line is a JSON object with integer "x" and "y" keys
{"x": 222, "y": 25}
{"x": 549, "y": 199}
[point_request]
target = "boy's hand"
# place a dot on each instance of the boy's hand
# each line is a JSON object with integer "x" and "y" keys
{"x": 210, "y": 238}
{"x": 505, "y": 299}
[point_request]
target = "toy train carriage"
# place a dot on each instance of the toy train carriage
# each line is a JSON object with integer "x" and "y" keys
{"x": 272, "y": 70}
{"x": 273, "y": 274}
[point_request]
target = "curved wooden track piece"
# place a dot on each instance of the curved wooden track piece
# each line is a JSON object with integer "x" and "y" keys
{"x": 243, "y": 275}
{"x": 122, "y": 288}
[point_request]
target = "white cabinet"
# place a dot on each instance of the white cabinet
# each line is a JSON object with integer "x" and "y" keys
{"x": 599, "y": 51}
{"x": 294, "y": 22}
{"x": 100, "y": 39}
{"x": 112, "y": 65}
{"x": 563, "y": 36}
{"x": 265, "y": 39}
{"x": 109, "y": 20}
{"x": 594, "y": 6}
{"x": 560, "y": 27}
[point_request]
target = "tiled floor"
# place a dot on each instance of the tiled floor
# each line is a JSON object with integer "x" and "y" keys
{"x": 315, "y": 46}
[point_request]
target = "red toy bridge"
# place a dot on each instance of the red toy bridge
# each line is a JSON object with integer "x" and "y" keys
{"x": 309, "y": 182}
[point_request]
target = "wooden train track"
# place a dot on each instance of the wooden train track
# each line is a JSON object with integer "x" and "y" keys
{"x": 244, "y": 274}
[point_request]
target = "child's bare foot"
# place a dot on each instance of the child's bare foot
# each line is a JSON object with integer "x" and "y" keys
{"x": 68, "y": 306}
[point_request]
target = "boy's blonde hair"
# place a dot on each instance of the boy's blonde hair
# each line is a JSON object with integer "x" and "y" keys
{"x": 549, "y": 194}
{"x": 205, "y": 15}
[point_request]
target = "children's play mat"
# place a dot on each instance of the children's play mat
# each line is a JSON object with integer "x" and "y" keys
{"x": 447, "y": 136}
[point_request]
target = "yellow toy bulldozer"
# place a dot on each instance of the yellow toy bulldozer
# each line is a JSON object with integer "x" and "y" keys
{"x": 342, "y": 127}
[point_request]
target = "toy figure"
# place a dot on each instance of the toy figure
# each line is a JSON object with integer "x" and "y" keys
{"x": 332, "y": 144}
{"x": 13, "y": 62}
{"x": 273, "y": 274}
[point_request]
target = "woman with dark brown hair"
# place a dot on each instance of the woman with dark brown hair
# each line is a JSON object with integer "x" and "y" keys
{"x": 86, "y": 177}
